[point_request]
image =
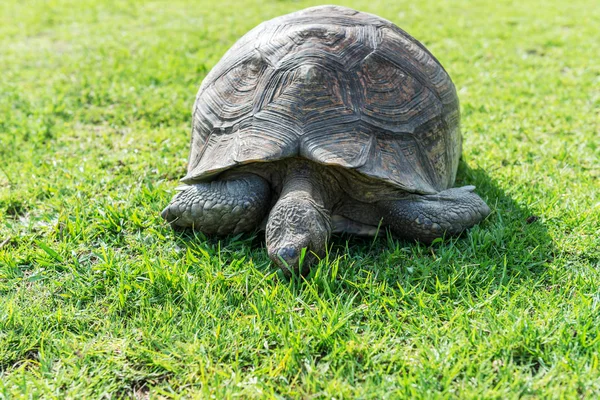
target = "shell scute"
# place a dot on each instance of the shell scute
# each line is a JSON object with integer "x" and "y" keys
{"x": 337, "y": 87}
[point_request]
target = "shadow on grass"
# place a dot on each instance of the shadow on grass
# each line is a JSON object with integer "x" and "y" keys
{"x": 510, "y": 246}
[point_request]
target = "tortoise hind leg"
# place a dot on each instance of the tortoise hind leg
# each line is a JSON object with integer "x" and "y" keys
{"x": 427, "y": 217}
{"x": 224, "y": 206}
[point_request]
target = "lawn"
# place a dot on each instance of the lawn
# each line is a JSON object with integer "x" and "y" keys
{"x": 100, "y": 298}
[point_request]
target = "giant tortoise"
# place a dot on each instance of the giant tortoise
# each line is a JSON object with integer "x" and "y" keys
{"x": 325, "y": 120}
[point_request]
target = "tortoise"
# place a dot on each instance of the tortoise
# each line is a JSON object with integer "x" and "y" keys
{"x": 325, "y": 120}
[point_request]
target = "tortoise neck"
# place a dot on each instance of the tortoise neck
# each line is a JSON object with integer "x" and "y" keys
{"x": 301, "y": 218}
{"x": 304, "y": 179}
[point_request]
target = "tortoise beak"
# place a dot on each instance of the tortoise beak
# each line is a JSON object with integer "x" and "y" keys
{"x": 287, "y": 258}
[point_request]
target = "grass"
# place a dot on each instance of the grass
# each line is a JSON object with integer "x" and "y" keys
{"x": 99, "y": 298}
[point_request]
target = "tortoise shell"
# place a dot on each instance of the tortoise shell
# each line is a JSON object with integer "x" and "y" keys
{"x": 337, "y": 87}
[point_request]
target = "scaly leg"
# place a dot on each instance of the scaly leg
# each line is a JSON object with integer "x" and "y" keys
{"x": 231, "y": 205}
{"x": 427, "y": 217}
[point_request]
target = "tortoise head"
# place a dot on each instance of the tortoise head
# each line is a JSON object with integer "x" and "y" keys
{"x": 297, "y": 225}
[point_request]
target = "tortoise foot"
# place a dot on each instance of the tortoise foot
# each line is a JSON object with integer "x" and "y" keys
{"x": 427, "y": 217}
{"x": 220, "y": 207}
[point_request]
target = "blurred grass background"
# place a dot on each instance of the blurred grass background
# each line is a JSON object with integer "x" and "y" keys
{"x": 98, "y": 297}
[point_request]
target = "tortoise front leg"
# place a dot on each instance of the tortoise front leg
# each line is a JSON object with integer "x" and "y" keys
{"x": 427, "y": 217}
{"x": 224, "y": 206}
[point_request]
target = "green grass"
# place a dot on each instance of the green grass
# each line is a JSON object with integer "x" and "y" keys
{"x": 98, "y": 297}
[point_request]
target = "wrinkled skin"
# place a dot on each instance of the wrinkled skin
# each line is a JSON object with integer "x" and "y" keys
{"x": 308, "y": 196}
{"x": 295, "y": 224}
